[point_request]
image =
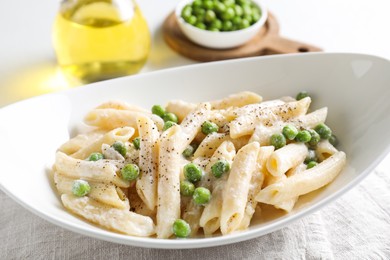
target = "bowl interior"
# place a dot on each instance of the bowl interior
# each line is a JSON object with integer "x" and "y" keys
{"x": 354, "y": 87}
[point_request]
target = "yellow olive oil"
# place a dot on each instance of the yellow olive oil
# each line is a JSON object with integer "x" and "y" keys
{"x": 96, "y": 40}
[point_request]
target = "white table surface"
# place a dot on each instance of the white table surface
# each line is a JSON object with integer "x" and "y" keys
{"x": 27, "y": 59}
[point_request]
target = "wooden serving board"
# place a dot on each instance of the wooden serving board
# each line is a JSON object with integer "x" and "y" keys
{"x": 267, "y": 41}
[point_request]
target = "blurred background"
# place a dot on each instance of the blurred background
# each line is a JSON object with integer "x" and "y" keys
{"x": 28, "y": 63}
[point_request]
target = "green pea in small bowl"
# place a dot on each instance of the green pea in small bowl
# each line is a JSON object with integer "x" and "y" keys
{"x": 220, "y": 39}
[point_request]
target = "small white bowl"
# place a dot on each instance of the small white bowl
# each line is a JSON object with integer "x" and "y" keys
{"x": 220, "y": 40}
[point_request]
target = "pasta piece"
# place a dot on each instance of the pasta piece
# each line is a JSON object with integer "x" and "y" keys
{"x": 256, "y": 184}
{"x": 139, "y": 207}
{"x": 147, "y": 183}
{"x": 120, "y": 220}
{"x": 102, "y": 192}
{"x": 236, "y": 100}
{"x": 80, "y": 141}
{"x": 324, "y": 150}
{"x": 180, "y": 108}
{"x": 192, "y": 124}
{"x": 288, "y": 205}
{"x": 266, "y": 113}
{"x": 110, "y": 153}
{"x": 286, "y": 158}
{"x": 168, "y": 188}
{"x": 119, "y": 134}
{"x": 210, "y": 218}
{"x": 99, "y": 171}
{"x": 208, "y": 146}
{"x": 310, "y": 120}
{"x": 120, "y": 105}
{"x": 237, "y": 188}
{"x": 212, "y": 141}
{"x": 305, "y": 182}
{"x": 263, "y": 133}
{"x": 109, "y": 118}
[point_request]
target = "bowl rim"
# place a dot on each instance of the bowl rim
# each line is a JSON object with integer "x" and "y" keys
{"x": 259, "y": 23}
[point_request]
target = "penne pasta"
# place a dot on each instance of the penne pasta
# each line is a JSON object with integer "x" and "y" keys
{"x": 102, "y": 170}
{"x": 305, "y": 182}
{"x": 148, "y": 160}
{"x": 118, "y": 134}
{"x": 237, "y": 188}
{"x": 236, "y": 100}
{"x": 266, "y": 113}
{"x": 286, "y": 158}
{"x": 256, "y": 184}
{"x": 109, "y": 118}
{"x": 168, "y": 188}
{"x": 105, "y": 193}
{"x": 210, "y": 218}
{"x": 122, "y": 221}
{"x": 180, "y": 108}
{"x": 324, "y": 150}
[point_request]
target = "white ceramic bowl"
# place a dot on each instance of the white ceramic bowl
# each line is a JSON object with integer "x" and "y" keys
{"x": 354, "y": 87}
{"x": 220, "y": 40}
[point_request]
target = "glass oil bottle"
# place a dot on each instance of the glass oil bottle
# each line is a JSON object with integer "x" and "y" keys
{"x": 100, "y": 39}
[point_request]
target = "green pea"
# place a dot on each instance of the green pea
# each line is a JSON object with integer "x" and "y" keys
{"x": 213, "y": 29}
{"x": 220, "y": 7}
{"x": 192, "y": 20}
{"x": 199, "y": 11}
{"x": 248, "y": 18}
{"x": 186, "y": 12}
{"x": 168, "y": 125}
{"x": 315, "y": 138}
{"x": 303, "y": 136}
{"x": 229, "y": 3}
{"x": 95, "y": 157}
{"x": 217, "y": 24}
{"x": 208, "y": 4}
{"x": 238, "y": 10}
{"x": 219, "y": 168}
{"x": 311, "y": 164}
{"x": 247, "y": 9}
{"x": 137, "y": 143}
{"x": 323, "y": 130}
{"x": 210, "y": 16}
{"x": 237, "y": 20}
{"x": 120, "y": 147}
{"x": 192, "y": 172}
{"x": 170, "y": 117}
{"x": 199, "y": 21}
{"x": 200, "y": 25}
{"x": 130, "y": 172}
{"x": 255, "y": 17}
{"x": 209, "y": 127}
{"x": 278, "y": 140}
{"x": 228, "y": 14}
{"x": 201, "y": 196}
{"x": 158, "y": 110}
{"x": 187, "y": 188}
{"x": 243, "y": 2}
{"x": 197, "y": 3}
{"x": 290, "y": 132}
{"x": 244, "y": 24}
{"x": 80, "y": 188}
{"x": 301, "y": 95}
{"x": 333, "y": 140}
{"x": 311, "y": 156}
{"x": 189, "y": 151}
{"x": 181, "y": 228}
{"x": 227, "y": 25}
